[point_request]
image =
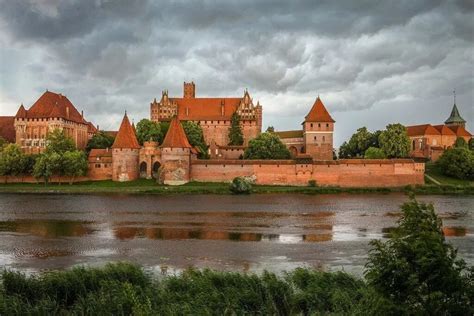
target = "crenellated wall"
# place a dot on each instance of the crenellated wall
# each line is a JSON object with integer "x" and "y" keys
{"x": 344, "y": 173}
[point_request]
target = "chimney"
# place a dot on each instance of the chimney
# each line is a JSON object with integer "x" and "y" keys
{"x": 187, "y": 111}
{"x": 67, "y": 111}
{"x": 222, "y": 108}
{"x": 82, "y": 114}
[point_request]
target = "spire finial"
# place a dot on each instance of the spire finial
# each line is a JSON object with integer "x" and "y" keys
{"x": 454, "y": 95}
{"x": 125, "y": 112}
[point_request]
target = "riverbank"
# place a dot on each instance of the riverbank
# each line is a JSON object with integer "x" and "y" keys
{"x": 144, "y": 186}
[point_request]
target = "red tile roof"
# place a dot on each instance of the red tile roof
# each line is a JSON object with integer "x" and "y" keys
{"x": 126, "y": 138}
{"x": 7, "y": 128}
{"x": 21, "y": 112}
{"x": 99, "y": 152}
{"x": 318, "y": 113}
{"x": 199, "y": 109}
{"x": 176, "y": 137}
{"x": 460, "y": 131}
{"x": 91, "y": 128}
{"x": 444, "y": 130}
{"x": 51, "y": 104}
{"x": 420, "y": 130}
{"x": 289, "y": 134}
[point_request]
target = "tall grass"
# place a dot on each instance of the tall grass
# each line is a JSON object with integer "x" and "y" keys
{"x": 125, "y": 289}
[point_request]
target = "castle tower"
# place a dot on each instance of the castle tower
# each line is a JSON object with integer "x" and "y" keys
{"x": 189, "y": 90}
{"x": 318, "y": 129}
{"x": 125, "y": 153}
{"x": 455, "y": 118}
{"x": 175, "y": 155}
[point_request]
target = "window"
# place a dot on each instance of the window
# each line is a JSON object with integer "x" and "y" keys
{"x": 319, "y": 124}
{"x": 327, "y": 125}
{"x": 311, "y": 125}
{"x": 315, "y": 138}
{"x": 97, "y": 165}
{"x": 324, "y": 138}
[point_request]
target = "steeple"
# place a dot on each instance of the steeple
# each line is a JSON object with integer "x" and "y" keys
{"x": 455, "y": 118}
{"x": 319, "y": 113}
{"x": 176, "y": 137}
{"x": 126, "y": 137}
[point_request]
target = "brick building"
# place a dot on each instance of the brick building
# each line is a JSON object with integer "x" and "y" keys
{"x": 50, "y": 111}
{"x": 315, "y": 139}
{"x": 430, "y": 141}
{"x": 213, "y": 114}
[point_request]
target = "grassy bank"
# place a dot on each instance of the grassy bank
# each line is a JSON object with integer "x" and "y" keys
{"x": 124, "y": 289}
{"x": 433, "y": 171}
{"x": 144, "y": 186}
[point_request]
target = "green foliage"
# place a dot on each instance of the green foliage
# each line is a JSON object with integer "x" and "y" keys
{"x": 394, "y": 141}
{"x": 240, "y": 185}
{"x": 13, "y": 162}
{"x": 374, "y": 153}
{"x": 3, "y": 143}
{"x": 236, "y": 138}
{"x": 196, "y": 138}
{"x": 266, "y": 146}
{"x": 47, "y": 164}
{"x": 75, "y": 164}
{"x": 149, "y": 130}
{"x": 312, "y": 183}
{"x": 100, "y": 140}
{"x": 58, "y": 142}
{"x": 471, "y": 144}
{"x": 357, "y": 145}
{"x": 417, "y": 269}
{"x": 461, "y": 143}
{"x": 458, "y": 163}
{"x": 270, "y": 129}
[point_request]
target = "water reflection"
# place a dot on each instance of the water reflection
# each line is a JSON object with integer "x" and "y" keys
{"x": 47, "y": 228}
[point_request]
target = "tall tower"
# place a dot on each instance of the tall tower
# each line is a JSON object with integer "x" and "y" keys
{"x": 189, "y": 90}
{"x": 455, "y": 118}
{"x": 125, "y": 153}
{"x": 318, "y": 129}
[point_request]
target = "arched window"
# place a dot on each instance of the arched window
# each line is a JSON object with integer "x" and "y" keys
{"x": 143, "y": 170}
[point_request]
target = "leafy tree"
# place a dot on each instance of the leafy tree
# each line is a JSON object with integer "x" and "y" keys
{"x": 394, "y": 141}
{"x": 75, "y": 164}
{"x": 58, "y": 142}
{"x": 374, "y": 153}
{"x": 196, "y": 138}
{"x": 13, "y": 161}
{"x": 357, "y": 145}
{"x": 100, "y": 140}
{"x": 460, "y": 143}
{"x": 374, "y": 139}
{"x": 266, "y": 146}
{"x": 149, "y": 130}
{"x": 270, "y": 129}
{"x": 164, "y": 129}
{"x": 457, "y": 162}
{"x": 47, "y": 164}
{"x": 471, "y": 144}
{"x": 236, "y": 137}
{"x": 417, "y": 269}
{"x": 3, "y": 142}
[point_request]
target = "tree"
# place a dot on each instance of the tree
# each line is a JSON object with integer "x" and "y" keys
{"x": 149, "y": 130}
{"x": 417, "y": 269}
{"x": 236, "y": 137}
{"x": 13, "y": 161}
{"x": 3, "y": 143}
{"x": 457, "y": 162}
{"x": 266, "y": 146}
{"x": 394, "y": 141}
{"x": 374, "y": 153}
{"x": 471, "y": 144}
{"x": 57, "y": 141}
{"x": 100, "y": 140}
{"x": 374, "y": 139}
{"x": 270, "y": 129}
{"x": 196, "y": 138}
{"x": 47, "y": 164}
{"x": 75, "y": 164}
{"x": 460, "y": 143}
{"x": 357, "y": 145}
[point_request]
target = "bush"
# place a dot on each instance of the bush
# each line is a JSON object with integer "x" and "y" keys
{"x": 457, "y": 163}
{"x": 266, "y": 146}
{"x": 240, "y": 185}
{"x": 374, "y": 153}
{"x": 312, "y": 183}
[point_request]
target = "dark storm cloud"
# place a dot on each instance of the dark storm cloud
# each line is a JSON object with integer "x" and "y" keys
{"x": 108, "y": 55}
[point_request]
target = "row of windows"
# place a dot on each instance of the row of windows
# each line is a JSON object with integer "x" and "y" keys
{"x": 319, "y": 124}
{"x": 98, "y": 165}
{"x": 316, "y": 138}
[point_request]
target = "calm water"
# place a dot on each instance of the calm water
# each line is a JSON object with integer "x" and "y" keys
{"x": 240, "y": 233}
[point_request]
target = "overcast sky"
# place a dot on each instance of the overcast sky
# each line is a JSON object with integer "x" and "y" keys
{"x": 372, "y": 62}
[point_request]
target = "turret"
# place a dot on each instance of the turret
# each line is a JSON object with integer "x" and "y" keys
{"x": 125, "y": 153}
{"x": 318, "y": 129}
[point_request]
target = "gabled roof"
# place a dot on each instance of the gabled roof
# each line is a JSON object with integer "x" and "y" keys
{"x": 190, "y": 109}
{"x": 455, "y": 117}
{"x": 444, "y": 130}
{"x": 7, "y": 128}
{"x": 100, "y": 152}
{"x": 289, "y": 134}
{"x": 176, "y": 137}
{"x": 21, "y": 112}
{"x": 318, "y": 113}
{"x": 91, "y": 128}
{"x": 460, "y": 131}
{"x": 126, "y": 138}
{"x": 421, "y": 130}
{"x": 51, "y": 104}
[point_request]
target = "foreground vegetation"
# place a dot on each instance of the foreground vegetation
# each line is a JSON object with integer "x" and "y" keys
{"x": 416, "y": 272}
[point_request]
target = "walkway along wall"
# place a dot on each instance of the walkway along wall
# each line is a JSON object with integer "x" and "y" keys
{"x": 344, "y": 173}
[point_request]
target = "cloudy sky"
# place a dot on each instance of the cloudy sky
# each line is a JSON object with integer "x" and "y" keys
{"x": 372, "y": 62}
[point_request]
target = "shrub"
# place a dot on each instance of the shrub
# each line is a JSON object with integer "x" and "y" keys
{"x": 266, "y": 146}
{"x": 240, "y": 185}
{"x": 457, "y": 163}
{"x": 312, "y": 183}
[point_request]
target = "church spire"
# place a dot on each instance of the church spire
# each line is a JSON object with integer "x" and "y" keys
{"x": 455, "y": 118}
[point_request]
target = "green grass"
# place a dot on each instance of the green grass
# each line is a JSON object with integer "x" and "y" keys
{"x": 125, "y": 289}
{"x": 433, "y": 171}
{"x": 144, "y": 186}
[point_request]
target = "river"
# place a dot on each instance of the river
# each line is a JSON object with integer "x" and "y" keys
{"x": 166, "y": 234}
